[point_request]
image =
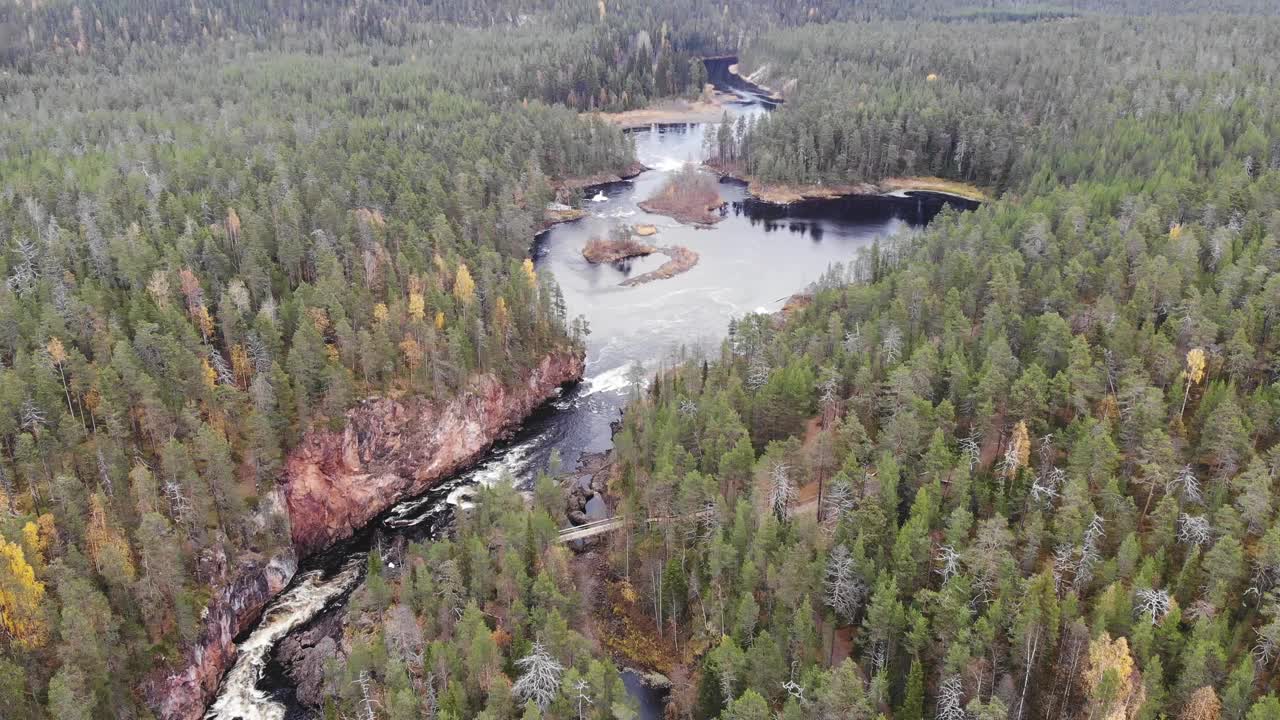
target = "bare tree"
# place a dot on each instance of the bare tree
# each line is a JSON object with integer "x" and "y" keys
{"x": 891, "y": 344}
{"x": 951, "y": 699}
{"x": 582, "y": 698}
{"x": 949, "y": 563}
{"x": 844, "y": 589}
{"x": 366, "y": 697}
{"x": 970, "y": 449}
{"x": 781, "y": 490}
{"x": 688, "y": 408}
{"x": 838, "y": 501}
{"x": 540, "y": 677}
{"x": 1154, "y": 603}
{"x": 1186, "y": 483}
{"x": 853, "y": 340}
{"x": 1090, "y": 554}
{"x": 1194, "y": 530}
{"x": 758, "y": 374}
{"x": 33, "y": 418}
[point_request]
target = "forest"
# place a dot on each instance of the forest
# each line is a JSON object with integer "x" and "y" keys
{"x": 1021, "y": 464}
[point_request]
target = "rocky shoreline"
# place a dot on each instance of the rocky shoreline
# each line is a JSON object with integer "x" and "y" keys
{"x": 576, "y": 184}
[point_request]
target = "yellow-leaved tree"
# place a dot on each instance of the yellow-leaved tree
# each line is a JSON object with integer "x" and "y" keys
{"x": 1195, "y": 373}
{"x": 1202, "y": 705}
{"x": 464, "y": 288}
{"x": 1111, "y": 680}
{"x": 417, "y": 302}
{"x": 530, "y": 274}
{"x": 108, "y": 547}
{"x": 22, "y": 618}
{"x": 1019, "y": 453}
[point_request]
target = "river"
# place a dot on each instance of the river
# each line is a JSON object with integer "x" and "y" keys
{"x": 751, "y": 261}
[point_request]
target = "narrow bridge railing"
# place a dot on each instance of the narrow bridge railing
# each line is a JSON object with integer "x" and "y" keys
{"x": 610, "y": 524}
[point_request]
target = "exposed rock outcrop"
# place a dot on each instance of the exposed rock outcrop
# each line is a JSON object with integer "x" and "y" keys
{"x": 336, "y": 482}
{"x": 304, "y": 655}
{"x": 232, "y": 610}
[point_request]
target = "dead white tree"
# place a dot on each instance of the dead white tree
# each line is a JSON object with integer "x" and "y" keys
{"x": 1153, "y": 603}
{"x": 758, "y": 374}
{"x": 795, "y": 689}
{"x": 891, "y": 344}
{"x": 853, "y": 340}
{"x": 781, "y": 490}
{"x": 1187, "y": 484}
{"x": 1044, "y": 488}
{"x": 33, "y": 418}
{"x": 25, "y": 272}
{"x": 844, "y": 589}
{"x": 951, "y": 699}
{"x": 1194, "y": 530}
{"x": 1090, "y": 554}
{"x": 948, "y": 563}
{"x": 582, "y": 698}
{"x": 1063, "y": 564}
{"x": 540, "y": 677}
{"x": 970, "y": 449}
{"x": 688, "y": 408}
{"x": 225, "y": 375}
{"x": 366, "y": 697}
{"x": 838, "y": 501}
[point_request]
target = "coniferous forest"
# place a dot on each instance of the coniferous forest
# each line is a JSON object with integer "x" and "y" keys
{"x": 1020, "y": 464}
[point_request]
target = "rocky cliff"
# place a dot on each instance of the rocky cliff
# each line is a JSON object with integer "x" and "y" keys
{"x": 336, "y": 482}
{"x": 234, "y": 608}
{"x": 392, "y": 449}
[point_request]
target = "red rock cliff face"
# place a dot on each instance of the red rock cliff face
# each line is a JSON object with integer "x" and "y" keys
{"x": 336, "y": 482}
{"x": 233, "y": 609}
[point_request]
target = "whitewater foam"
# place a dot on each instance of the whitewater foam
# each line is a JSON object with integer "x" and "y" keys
{"x": 240, "y": 698}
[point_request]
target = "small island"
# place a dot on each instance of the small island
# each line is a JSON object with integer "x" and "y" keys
{"x": 682, "y": 260}
{"x": 621, "y": 246}
{"x": 690, "y": 196}
{"x": 599, "y": 250}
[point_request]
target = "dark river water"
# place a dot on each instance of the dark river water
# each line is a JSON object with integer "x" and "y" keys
{"x": 751, "y": 261}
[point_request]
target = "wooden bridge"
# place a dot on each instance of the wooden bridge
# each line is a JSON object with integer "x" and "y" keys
{"x": 591, "y": 529}
{"x": 617, "y": 522}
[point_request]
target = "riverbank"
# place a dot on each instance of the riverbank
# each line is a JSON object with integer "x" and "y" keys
{"x": 708, "y": 108}
{"x": 570, "y": 185}
{"x": 787, "y": 193}
{"x": 753, "y": 82}
{"x": 940, "y": 186}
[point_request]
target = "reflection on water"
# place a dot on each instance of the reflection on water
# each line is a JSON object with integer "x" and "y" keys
{"x": 752, "y": 260}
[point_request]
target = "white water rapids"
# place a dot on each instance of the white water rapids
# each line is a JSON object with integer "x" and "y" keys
{"x": 240, "y": 698}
